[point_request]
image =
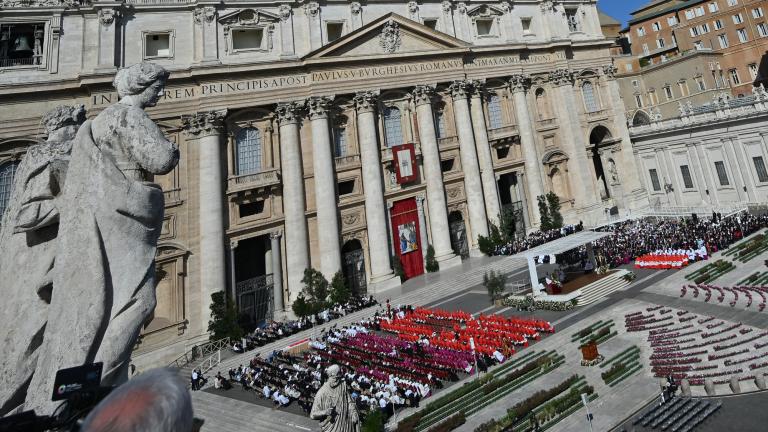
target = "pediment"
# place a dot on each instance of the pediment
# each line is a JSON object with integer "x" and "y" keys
{"x": 248, "y": 17}
{"x": 481, "y": 11}
{"x": 390, "y": 34}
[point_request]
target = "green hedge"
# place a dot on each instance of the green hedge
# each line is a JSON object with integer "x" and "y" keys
{"x": 450, "y": 424}
{"x": 629, "y": 352}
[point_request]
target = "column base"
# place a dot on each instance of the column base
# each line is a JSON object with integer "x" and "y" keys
{"x": 383, "y": 283}
{"x": 475, "y": 253}
{"x": 448, "y": 261}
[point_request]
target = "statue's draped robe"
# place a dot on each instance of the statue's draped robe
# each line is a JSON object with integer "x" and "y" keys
{"x": 104, "y": 278}
{"x": 338, "y": 397}
{"x": 28, "y": 245}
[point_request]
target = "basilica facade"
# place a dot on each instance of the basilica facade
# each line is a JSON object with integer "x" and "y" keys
{"x": 337, "y": 135}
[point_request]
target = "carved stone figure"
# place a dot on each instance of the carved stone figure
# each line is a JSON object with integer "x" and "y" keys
{"x": 28, "y": 242}
{"x": 389, "y": 39}
{"x": 333, "y": 405}
{"x": 103, "y": 279}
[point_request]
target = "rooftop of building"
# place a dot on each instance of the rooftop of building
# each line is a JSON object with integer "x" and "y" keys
{"x": 660, "y": 12}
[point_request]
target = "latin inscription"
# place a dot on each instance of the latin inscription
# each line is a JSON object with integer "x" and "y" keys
{"x": 371, "y": 72}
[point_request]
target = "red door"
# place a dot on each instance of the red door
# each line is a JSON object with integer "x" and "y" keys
{"x": 406, "y": 232}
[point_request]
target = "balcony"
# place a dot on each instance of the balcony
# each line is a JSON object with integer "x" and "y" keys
{"x": 502, "y": 132}
{"x": 346, "y": 162}
{"x": 259, "y": 181}
{"x": 597, "y": 115}
{"x": 451, "y": 141}
{"x": 546, "y": 123}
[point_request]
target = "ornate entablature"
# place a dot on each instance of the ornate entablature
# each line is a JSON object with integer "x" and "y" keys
{"x": 26, "y": 4}
{"x": 249, "y": 30}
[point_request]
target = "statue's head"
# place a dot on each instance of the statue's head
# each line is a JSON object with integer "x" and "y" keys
{"x": 141, "y": 84}
{"x": 334, "y": 375}
{"x": 63, "y": 116}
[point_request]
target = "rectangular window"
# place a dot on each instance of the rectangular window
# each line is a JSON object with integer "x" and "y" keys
{"x": 656, "y": 26}
{"x": 694, "y": 31}
{"x": 431, "y": 23}
{"x": 251, "y": 208}
{"x": 699, "y": 45}
{"x": 752, "y": 70}
{"x": 646, "y": 51}
{"x": 742, "y": 35}
{"x": 526, "y": 22}
{"x": 722, "y": 175}
{"x": 346, "y": 187}
{"x": 639, "y": 101}
{"x": 641, "y": 31}
{"x": 494, "y": 112}
{"x": 718, "y": 25}
{"x": 687, "y": 180}
{"x": 340, "y": 141}
{"x": 713, "y": 7}
{"x": 762, "y": 174}
{"x": 668, "y": 92}
{"x": 660, "y": 43}
{"x": 723, "y": 39}
{"x": 484, "y": 27}
{"x": 655, "y": 180}
{"x": 157, "y": 45}
{"x": 762, "y": 29}
{"x": 447, "y": 165}
{"x": 247, "y": 39}
{"x": 672, "y": 20}
{"x": 683, "y": 85}
{"x": 334, "y": 30}
{"x": 18, "y": 41}
{"x": 699, "y": 11}
{"x": 757, "y": 12}
{"x": 689, "y": 14}
{"x": 702, "y": 85}
{"x": 733, "y": 2}
{"x": 738, "y": 19}
{"x": 705, "y": 28}
{"x": 735, "y": 76}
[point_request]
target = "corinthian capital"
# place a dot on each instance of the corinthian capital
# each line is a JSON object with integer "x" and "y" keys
{"x": 365, "y": 101}
{"x": 561, "y": 77}
{"x": 519, "y": 82}
{"x": 422, "y": 94}
{"x": 204, "y": 123}
{"x": 318, "y": 107}
{"x": 460, "y": 89}
{"x": 610, "y": 71}
{"x": 288, "y": 112}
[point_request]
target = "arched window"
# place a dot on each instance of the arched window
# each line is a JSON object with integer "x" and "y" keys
{"x": 393, "y": 128}
{"x": 7, "y": 172}
{"x": 440, "y": 130}
{"x": 494, "y": 111}
{"x": 248, "y": 143}
{"x": 641, "y": 119}
{"x": 590, "y": 98}
{"x": 542, "y": 105}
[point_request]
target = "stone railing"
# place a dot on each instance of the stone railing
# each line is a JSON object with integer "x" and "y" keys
{"x": 546, "y": 122}
{"x": 715, "y": 112}
{"x": 448, "y": 141}
{"x": 258, "y": 180}
{"x": 596, "y": 115}
{"x": 347, "y": 161}
{"x": 158, "y": 2}
{"x": 502, "y": 132}
{"x": 7, "y": 4}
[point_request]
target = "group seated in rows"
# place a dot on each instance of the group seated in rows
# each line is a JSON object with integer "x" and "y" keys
{"x": 672, "y": 258}
{"x": 275, "y": 330}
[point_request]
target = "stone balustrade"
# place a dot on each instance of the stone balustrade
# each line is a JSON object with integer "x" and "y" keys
{"x": 345, "y": 162}
{"x": 502, "y": 132}
{"x": 258, "y": 180}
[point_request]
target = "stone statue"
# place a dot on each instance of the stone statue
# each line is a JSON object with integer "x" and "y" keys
{"x": 28, "y": 242}
{"x": 333, "y": 405}
{"x": 613, "y": 171}
{"x": 103, "y": 279}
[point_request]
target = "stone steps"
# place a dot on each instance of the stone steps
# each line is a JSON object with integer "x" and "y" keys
{"x": 597, "y": 290}
{"x": 225, "y": 414}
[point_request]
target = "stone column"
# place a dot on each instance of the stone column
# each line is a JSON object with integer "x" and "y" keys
{"x": 294, "y": 204}
{"x": 430, "y": 154}
{"x": 628, "y": 177}
{"x": 520, "y": 179}
{"x": 519, "y": 84}
{"x": 277, "y": 272}
{"x": 575, "y": 143}
{"x": 205, "y": 17}
{"x": 708, "y": 175}
{"x": 382, "y": 276}
{"x": 422, "y": 223}
{"x": 736, "y": 162}
{"x": 328, "y": 237}
{"x": 490, "y": 187}
{"x": 472, "y": 183}
{"x": 696, "y": 172}
{"x": 208, "y": 127}
{"x": 232, "y": 277}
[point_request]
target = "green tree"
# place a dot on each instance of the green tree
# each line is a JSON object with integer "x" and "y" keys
{"x": 494, "y": 282}
{"x": 301, "y": 307}
{"x": 374, "y": 421}
{"x": 546, "y": 221}
{"x": 556, "y": 218}
{"x": 397, "y": 267}
{"x": 507, "y": 225}
{"x": 315, "y": 289}
{"x": 340, "y": 293}
{"x": 431, "y": 263}
{"x": 224, "y": 318}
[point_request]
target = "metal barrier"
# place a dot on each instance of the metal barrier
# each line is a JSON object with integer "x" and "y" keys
{"x": 199, "y": 351}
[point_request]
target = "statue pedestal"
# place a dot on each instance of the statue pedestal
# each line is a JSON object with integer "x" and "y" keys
{"x": 589, "y": 354}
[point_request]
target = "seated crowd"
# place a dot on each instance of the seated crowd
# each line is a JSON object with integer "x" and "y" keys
{"x": 274, "y": 330}
{"x": 425, "y": 349}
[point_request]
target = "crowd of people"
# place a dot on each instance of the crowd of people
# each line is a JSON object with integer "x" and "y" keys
{"x": 536, "y": 238}
{"x": 390, "y": 361}
{"x": 275, "y": 330}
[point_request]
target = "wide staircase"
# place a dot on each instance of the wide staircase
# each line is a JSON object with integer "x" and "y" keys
{"x": 605, "y": 286}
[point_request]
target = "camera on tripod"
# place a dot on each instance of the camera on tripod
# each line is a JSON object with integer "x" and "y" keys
{"x": 80, "y": 389}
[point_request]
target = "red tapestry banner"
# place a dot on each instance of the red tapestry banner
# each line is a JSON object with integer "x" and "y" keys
{"x": 407, "y": 239}
{"x": 404, "y": 156}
